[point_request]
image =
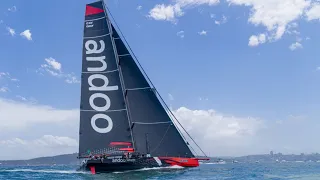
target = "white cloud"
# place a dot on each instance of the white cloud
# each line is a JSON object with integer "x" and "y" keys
{"x": 139, "y": 8}
{"x": 275, "y": 15}
{"x": 22, "y": 123}
{"x": 12, "y": 9}
{"x": 202, "y": 33}
{"x": 318, "y": 68}
{"x": 44, "y": 141}
{"x": 44, "y": 146}
{"x": 53, "y": 63}
{"x": 27, "y": 100}
{"x": 256, "y": 40}
{"x": 14, "y": 79}
{"x": 54, "y": 68}
{"x": 21, "y": 98}
{"x": 165, "y": 13}
{"x": 223, "y": 20}
{"x": 4, "y": 74}
{"x": 314, "y": 12}
{"x": 218, "y": 133}
{"x": 172, "y": 11}
{"x": 180, "y": 34}
{"x": 7, "y": 76}
{"x": 11, "y": 31}
{"x": 184, "y": 3}
{"x": 171, "y": 98}
{"x": 71, "y": 79}
{"x": 295, "y": 46}
{"x": 4, "y": 89}
{"x": 27, "y": 34}
{"x": 5, "y": 80}
{"x": 31, "y": 114}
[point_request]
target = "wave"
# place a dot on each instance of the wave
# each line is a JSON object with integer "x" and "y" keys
{"x": 153, "y": 168}
{"x": 45, "y": 171}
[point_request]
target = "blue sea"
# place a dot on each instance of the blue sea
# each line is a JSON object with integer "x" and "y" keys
{"x": 239, "y": 171}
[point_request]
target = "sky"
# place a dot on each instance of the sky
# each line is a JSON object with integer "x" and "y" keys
{"x": 242, "y": 76}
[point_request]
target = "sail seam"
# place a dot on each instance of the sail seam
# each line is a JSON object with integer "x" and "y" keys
{"x": 152, "y": 123}
{"x": 95, "y": 19}
{"x": 124, "y": 55}
{"x": 93, "y": 72}
{"x": 97, "y": 36}
{"x": 105, "y": 111}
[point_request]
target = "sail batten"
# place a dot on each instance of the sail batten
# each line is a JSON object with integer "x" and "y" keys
{"x": 92, "y": 37}
{"x": 95, "y": 19}
{"x": 104, "y": 111}
{"x": 93, "y": 72}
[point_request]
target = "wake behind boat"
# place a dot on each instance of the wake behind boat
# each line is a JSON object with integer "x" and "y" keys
{"x": 124, "y": 123}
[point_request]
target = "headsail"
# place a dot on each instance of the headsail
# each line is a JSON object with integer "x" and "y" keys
{"x": 146, "y": 112}
{"x": 103, "y": 112}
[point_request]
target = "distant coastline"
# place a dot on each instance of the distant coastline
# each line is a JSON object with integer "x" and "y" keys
{"x": 71, "y": 159}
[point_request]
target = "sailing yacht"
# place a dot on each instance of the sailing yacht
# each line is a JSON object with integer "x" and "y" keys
{"x": 124, "y": 122}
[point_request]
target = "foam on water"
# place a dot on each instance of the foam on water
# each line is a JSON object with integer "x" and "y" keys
{"x": 153, "y": 168}
{"x": 45, "y": 171}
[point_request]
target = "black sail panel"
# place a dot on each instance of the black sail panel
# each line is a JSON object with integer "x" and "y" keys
{"x": 150, "y": 120}
{"x": 103, "y": 113}
{"x": 133, "y": 78}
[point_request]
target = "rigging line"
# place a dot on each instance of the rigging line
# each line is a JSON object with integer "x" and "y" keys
{"x": 149, "y": 78}
{"x": 192, "y": 149}
{"x": 181, "y": 125}
{"x": 161, "y": 139}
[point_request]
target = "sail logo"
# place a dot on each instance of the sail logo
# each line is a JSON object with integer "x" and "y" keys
{"x": 89, "y": 24}
{"x": 92, "y": 50}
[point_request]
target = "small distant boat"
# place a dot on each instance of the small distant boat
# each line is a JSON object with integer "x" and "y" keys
{"x": 235, "y": 161}
{"x": 221, "y": 162}
{"x": 124, "y": 123}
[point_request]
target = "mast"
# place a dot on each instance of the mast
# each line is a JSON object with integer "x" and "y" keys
{"x": 120, "y": 71}
{"x": 103, "y": 110}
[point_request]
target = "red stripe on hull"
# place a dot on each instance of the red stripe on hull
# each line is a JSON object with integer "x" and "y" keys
{"x": 184, "y": 162}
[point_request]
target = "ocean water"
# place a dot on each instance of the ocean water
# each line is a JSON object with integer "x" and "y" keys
{"x": 240, "y": 171}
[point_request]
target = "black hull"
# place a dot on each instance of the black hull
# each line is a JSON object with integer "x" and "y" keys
{"x": 118, "y": 165}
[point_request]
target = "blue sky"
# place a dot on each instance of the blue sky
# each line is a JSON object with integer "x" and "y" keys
{"x": 240, "y": 58}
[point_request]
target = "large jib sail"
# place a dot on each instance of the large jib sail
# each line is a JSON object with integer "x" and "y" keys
{"x": 152, "y": 128}
{"x": 103, "y": 112}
